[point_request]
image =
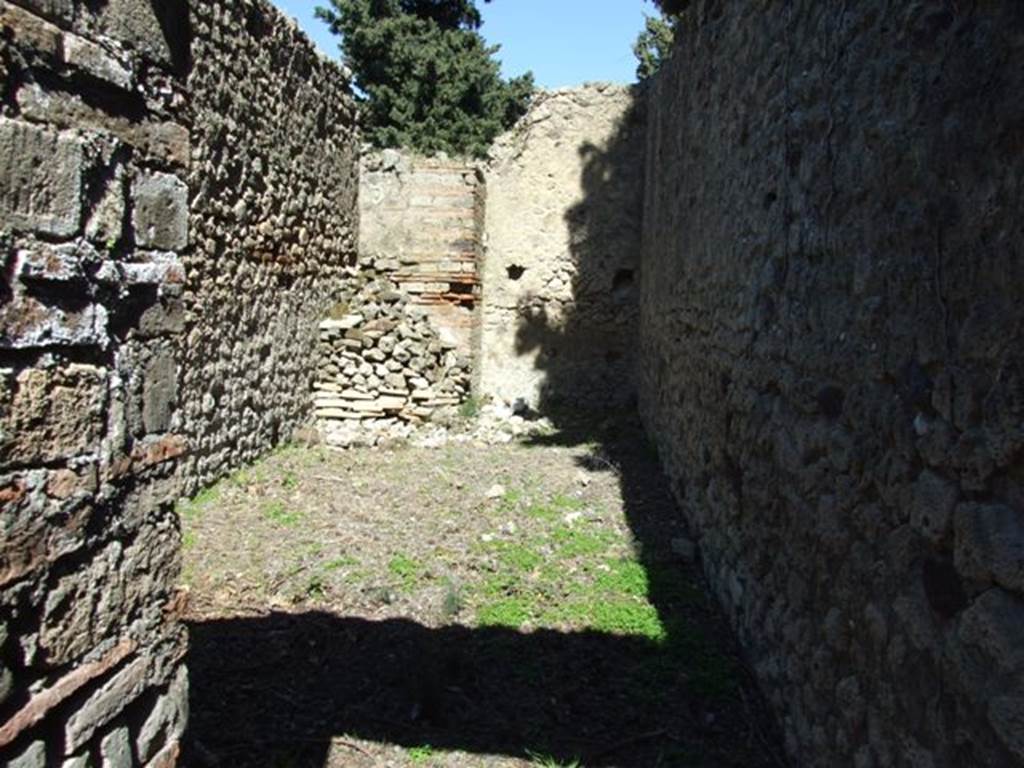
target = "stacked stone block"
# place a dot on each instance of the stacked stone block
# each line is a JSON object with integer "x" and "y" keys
{"x": 94, "y": 152}
{"x": 422, "y": 220}
{"x": 383, "y": 362}
{"x": 832, "y": 361}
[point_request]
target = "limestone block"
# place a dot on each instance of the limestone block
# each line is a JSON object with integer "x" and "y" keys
{"x": 106, "y": 224}
{"x": 33, "y": 756}
{"x": 40, "y": 179}
{"x": 26, "y": 323}
{"x": 49, "y": 415}
{"x": 106, "y": 704}
{"x": 167, "y": 719}
{"x": 160, "y": 212}
{"x": 167, "y": 316}
{"x": 86, "y": 55}
{"x": 166, "y": 141}
{"x": 116, "y": 749}
{"x": 990, "y": 544}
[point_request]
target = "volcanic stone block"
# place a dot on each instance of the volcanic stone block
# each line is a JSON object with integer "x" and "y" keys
{"x": 159, "y": 393}
{"x": 49, "y": 415}
{"x": 40, "y": 179}
{"x": 160, "y": 213}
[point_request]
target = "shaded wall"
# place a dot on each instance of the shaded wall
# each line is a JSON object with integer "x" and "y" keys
{"x": 94, "y": 231}
{"x": 832, "y": 360}
{"x": 564, "y": 194}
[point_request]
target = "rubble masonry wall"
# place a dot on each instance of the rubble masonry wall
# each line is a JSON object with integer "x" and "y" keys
{"x": 832, "y": 361}
{"x": 145, "y": 270}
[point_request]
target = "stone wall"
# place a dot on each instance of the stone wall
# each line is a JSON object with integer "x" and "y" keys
{"x": 273, "y": 185}
{"x": 421, "y": 220}
{"x": 832, "y": 361}
{"x": 94, "y": 154}
{"x": 564, "y": 195}
{"x": 177, "y": 213}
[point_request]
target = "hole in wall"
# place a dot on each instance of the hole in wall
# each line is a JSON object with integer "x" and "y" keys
{"x": 515, "y": 272}
{"x": 622, "y": 284}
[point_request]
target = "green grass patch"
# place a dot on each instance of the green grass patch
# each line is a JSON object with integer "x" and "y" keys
{"x": 576, "y": 542}
{"x": 517, "y": 557}
{"x": 406, "y": 570}
{"x": 620, "y": 617}
{"x": 510, "y": 612}
{"x": 277, "y": 513}
{"x": 193, "y": 509}
{"x": 623, "y": 577}
{"x": 345, "y": 561}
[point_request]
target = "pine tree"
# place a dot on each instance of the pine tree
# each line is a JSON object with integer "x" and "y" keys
{"x": 654, "y": 44}
{"x": 427, "y": 79}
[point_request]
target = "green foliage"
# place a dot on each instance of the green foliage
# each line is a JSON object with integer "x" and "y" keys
{"x": 654, "y": 44}
{"x": 511, "y": 612}
{"x": 406, "y": 569}
{"x": 421, "y": 754}
{"x": 429, "y": 81}
{"x": 276, "y": 512}
{"x": 470, "y": 408}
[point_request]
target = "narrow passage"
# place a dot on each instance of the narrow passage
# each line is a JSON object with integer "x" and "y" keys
{"x": 528, "y": 604}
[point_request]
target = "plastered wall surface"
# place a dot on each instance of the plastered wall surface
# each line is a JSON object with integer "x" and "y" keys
{"x": 832, "y": 361}
{"x": 273, "y": 184}
{"x": 564, "y": 194}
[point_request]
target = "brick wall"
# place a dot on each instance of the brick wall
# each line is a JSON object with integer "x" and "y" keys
{"x": 421, "y": 224}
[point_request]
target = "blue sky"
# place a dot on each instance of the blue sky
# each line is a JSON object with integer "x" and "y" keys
{"x": 564, "y": 42}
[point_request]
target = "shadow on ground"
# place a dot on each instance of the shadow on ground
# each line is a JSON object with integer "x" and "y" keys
{"x": 287, "y": 689}
{"x": 295, "y": 689}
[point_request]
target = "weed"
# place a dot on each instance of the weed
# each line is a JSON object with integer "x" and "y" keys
{"x": 540, "y": 511}
{"x": 549, "y": 761}
{"x": 406, "y": 569}
{"x": 470, "y": 408}
{"x": 421, "y": 754}
{"x": 451, "y": 603}
{"x": 563, "y": 503}
{"x": 276, "y": 513}
{"x": 290, "y": 481}
{"x": 315, "y": 587}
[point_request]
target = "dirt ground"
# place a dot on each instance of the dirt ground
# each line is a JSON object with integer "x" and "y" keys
{"x": 467, "y": 605}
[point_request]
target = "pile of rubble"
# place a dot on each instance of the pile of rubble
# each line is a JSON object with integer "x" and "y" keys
{"x": 384, "y": 365}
